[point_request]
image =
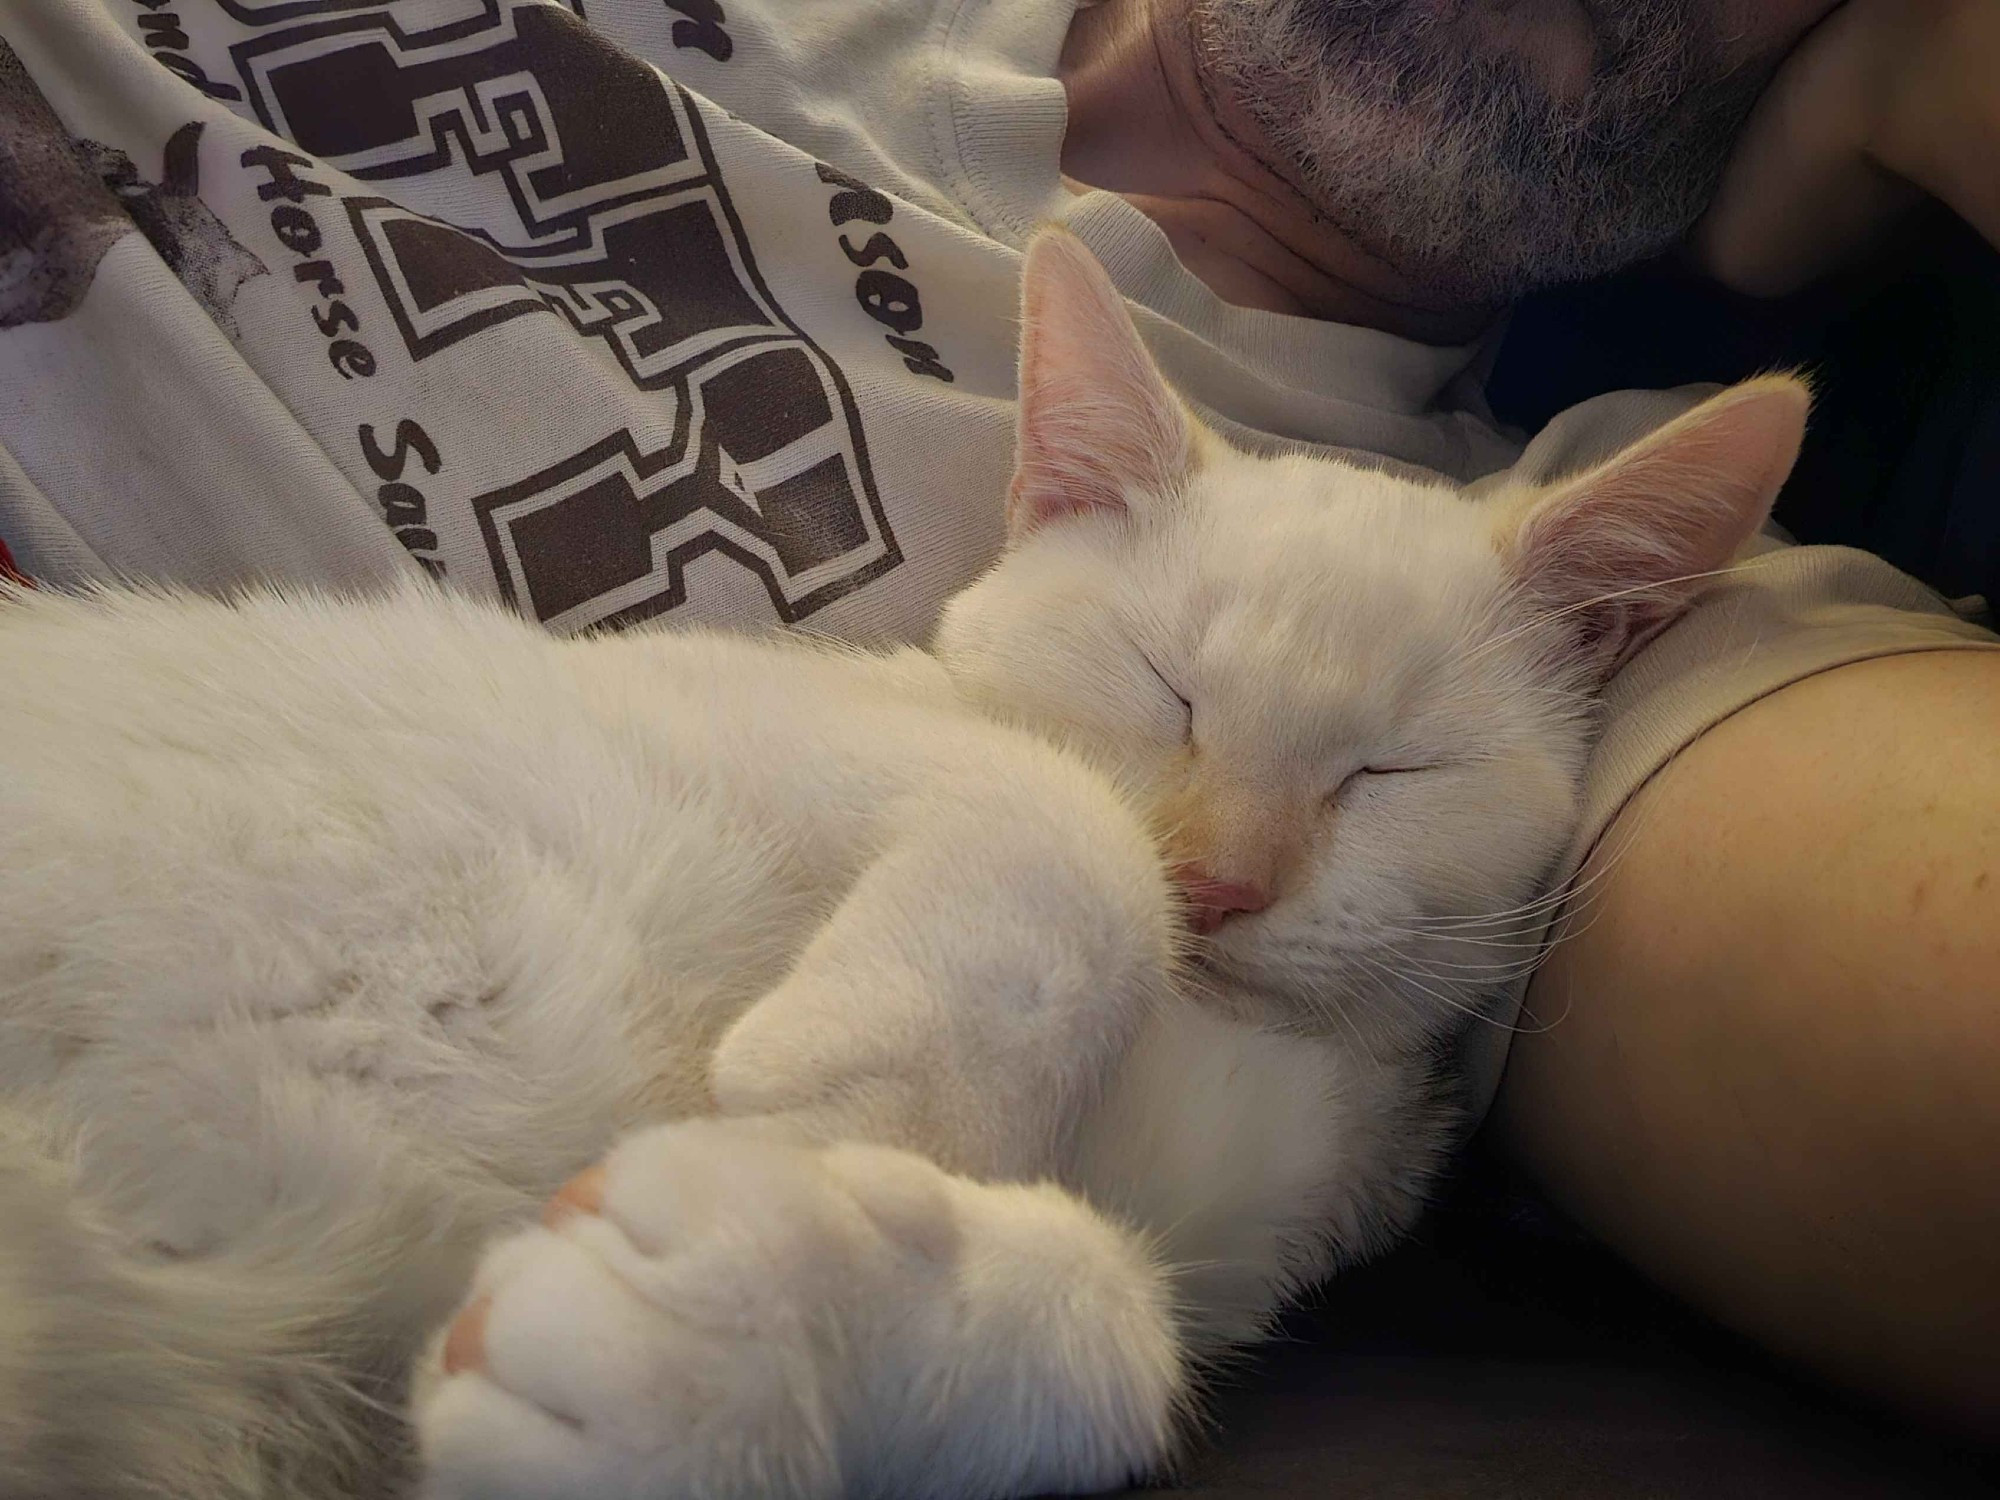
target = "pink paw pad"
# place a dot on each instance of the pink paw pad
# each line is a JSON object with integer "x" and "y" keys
{"x": 465, "y": 1344}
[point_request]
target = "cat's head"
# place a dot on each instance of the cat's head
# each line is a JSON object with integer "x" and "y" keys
{"x": 1356, "y": 705}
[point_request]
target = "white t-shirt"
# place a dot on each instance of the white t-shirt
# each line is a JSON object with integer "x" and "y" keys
{"x": 626, "y": 308}
{"x": 610, "y": 307}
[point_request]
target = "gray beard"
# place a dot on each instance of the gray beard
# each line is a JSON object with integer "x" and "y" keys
{"x": 1454, "y": 164}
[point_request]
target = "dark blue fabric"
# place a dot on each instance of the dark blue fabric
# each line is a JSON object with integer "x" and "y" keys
{"x": 1903, "y": 457}
{"x": 1503, "y": 1355}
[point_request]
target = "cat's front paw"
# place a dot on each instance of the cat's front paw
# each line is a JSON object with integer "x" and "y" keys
{"x": 723, "y": 1310}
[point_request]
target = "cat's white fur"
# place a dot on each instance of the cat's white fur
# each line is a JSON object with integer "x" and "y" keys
{"x": 335, "y": 936}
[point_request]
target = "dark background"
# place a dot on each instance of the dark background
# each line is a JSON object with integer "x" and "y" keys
{"x": 1501, "y": 1355}
{"x": 1903, "y": 453}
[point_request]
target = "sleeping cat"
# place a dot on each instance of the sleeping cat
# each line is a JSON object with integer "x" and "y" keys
{"x": 918, "y": 1062}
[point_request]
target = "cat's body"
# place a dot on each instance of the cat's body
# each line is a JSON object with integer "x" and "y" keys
{"x": 316, "y": 995}
{"x": 336, "y": 937}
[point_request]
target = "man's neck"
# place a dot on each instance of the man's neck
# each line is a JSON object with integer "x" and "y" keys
{"x": 1143, "y": 124}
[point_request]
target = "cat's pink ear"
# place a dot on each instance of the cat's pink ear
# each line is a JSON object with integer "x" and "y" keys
{"x": 1099, "y": 428}
{"x": 1624, "y": 548}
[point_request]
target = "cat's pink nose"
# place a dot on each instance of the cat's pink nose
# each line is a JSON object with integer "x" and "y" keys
{"x": 1212, "y": 902}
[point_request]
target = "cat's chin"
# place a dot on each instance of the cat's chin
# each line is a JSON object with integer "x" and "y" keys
{"x": 1232, "y": 982}
{"x": 1248, "y": 978}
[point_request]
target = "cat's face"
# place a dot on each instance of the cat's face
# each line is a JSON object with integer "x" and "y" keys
{"x": 1302, "y": 670}
{"x": 1356, "y": 706}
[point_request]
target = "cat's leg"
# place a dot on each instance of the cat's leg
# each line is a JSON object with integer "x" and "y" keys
{"x": 728, "y": 1310}
{"x": 759, "y": 1306}
{"x": 699, "y": 1277}
{"x": 127, "y": 1375}
{"x": 1258, "y": 1160}
{"x": 973, "y": 993}
{"x": 218, "y": 1297}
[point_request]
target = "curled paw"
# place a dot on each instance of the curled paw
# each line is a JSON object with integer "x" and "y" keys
{"x": 724, "y": 1310}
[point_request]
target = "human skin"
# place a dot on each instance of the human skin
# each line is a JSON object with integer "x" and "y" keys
{"x": 1773, "y": 1083}
{"x": 1888, "y": 101}
{"x": 1145, "y": 122}
{"x": 1141, "y": 125}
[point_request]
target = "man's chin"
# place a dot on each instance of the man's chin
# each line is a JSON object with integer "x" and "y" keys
{"x": 1454, "y": 165}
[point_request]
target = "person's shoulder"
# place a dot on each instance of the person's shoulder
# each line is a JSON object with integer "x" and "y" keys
{"x": 1591, "y": 431}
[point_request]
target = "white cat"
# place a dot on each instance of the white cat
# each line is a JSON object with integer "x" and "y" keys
{"x": 940, "y": 1137}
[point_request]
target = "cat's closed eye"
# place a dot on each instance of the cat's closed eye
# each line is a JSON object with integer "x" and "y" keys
{"x": 1379, "y": 773}
{"x": 1187, "y": 708}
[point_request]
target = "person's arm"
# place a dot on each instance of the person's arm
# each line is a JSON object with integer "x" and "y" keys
{"x": 1768, "y": 1070}
{"x": 1885, "y": 102}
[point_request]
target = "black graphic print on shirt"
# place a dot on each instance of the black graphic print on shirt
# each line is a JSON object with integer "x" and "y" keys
{"x": 64, "y": 202}
{"x": 617, "y": 220}
{"x": 196, "y": 245}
